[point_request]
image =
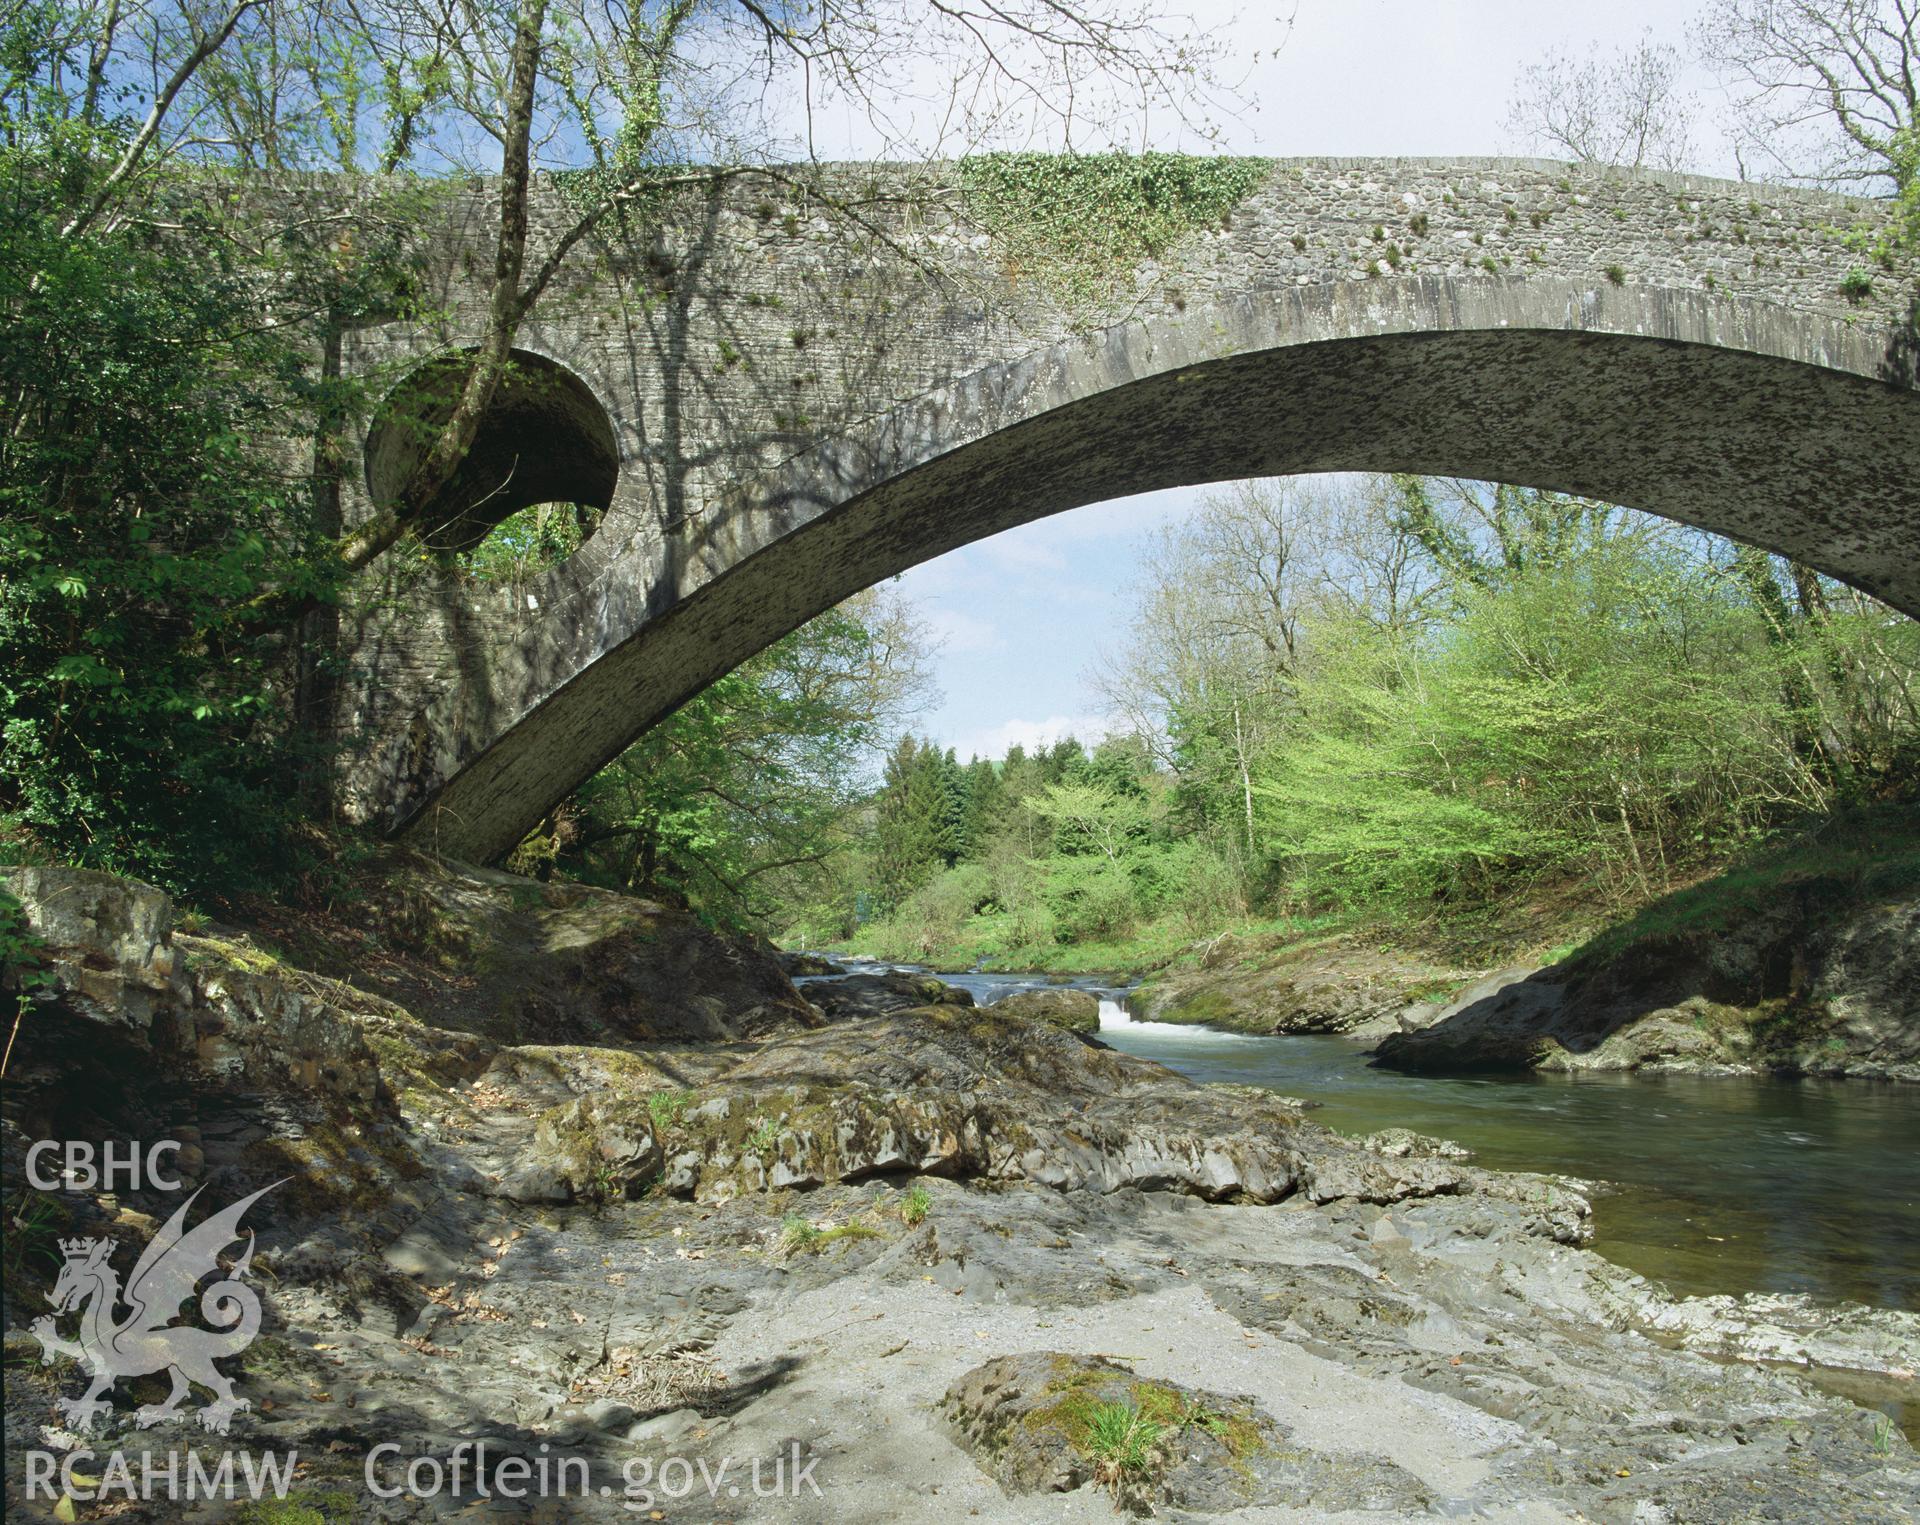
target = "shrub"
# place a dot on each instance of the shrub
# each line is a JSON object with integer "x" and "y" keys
{"x": 1091, "y": 899}
{"x": 798, "y": 1236}
{"x": 146, "y": 718}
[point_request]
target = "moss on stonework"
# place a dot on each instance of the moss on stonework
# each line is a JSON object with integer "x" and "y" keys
{"x": 1080, "y": 224}
{"x": 209, "y": 952}
{"x": 1208, "y": 1007}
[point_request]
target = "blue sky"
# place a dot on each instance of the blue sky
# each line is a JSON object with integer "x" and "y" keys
{"x": 1023, "y": 616}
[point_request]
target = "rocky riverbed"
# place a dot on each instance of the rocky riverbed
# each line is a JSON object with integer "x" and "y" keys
{"x": 939, "y": 1262}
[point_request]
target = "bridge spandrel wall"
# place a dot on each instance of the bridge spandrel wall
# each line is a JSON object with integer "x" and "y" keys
{"x": 746, "y": 332}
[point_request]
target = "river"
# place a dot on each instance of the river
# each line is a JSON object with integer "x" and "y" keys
{"x": 1715, "y": 1185}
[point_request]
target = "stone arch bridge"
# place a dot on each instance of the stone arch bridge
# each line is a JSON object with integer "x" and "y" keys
{"x": 775, "y": 410}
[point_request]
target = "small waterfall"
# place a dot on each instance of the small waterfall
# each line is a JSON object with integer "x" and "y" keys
{"x": 1116, "y": 1019}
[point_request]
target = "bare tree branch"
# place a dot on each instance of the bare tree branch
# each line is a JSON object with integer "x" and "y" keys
{"x": 149, "y": 129}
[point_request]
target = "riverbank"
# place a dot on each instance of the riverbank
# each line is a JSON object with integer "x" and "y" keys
{"x": 1804, "y": 962}
{"x": 1803, "y": 959}
{"x": 870, "y": 1246}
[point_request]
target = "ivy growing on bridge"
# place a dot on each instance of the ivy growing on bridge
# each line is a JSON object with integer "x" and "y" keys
{"x": 1080, "y": 223}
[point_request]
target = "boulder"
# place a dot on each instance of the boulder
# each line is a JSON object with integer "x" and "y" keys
{"x": 517, "y": 961}
{"x": 596, "y": 1148}
{"x": 110, "y": 938}
{"x": 1046, "y": 1422}
{"x": 872, "y": 995}
{"x": 1267, "y": 985}
{"x": 1077, "y": 1011}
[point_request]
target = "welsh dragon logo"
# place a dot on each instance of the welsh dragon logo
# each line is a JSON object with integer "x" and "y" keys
{"x": 146, "y": 1339}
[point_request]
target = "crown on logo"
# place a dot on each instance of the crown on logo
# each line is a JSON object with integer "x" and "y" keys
{"x": 85, "y": 1249}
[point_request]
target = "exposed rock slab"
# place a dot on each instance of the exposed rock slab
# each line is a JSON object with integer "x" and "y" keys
{"x": 872, "y": 994}
{"x": 1270, "y": 984}
{"x": 964, "y": 1092}
{"x": 1799, "y": 987}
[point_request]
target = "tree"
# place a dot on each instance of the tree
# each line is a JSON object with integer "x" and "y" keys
{"x": 140, "y": 718}
{"x": 1826, "y": 91}
{"x": 1093, "y": 819}
{"x": 985, "y": 808}
{"x": 921, "y": 818}
{"x": 1610, "y": 713}
{"x": 734, "y": 804}
{"x": 1376, "y": 570}
{"x": 1478, "y": 534}
{"x": 1204, "y": 676}
{"x": 1621, "y": 109}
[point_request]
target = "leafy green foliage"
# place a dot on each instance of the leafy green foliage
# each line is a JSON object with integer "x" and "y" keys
{"x": 1065, "y": 847}
{"x": 737, "y": 803}
{"x": 34, "y": 1222}
{"x": 531, "y": 540}
{"x": 1425, "y": 704}
{"x": 800, "y": 1236}
{"x": 22, "y": 956}
{"x": 1615, "y": 710}
{"x": 1121, "y": 1441}
{"x": 665, "y": 1107}
{"x": 140, "y": 511}
{"x": 1081, "y": 223}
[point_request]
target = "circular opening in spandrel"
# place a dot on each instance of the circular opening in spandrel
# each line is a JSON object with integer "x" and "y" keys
{"x": 543, "y": 440}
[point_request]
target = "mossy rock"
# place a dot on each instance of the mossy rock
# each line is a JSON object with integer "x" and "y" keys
{"x": 1047, "y": 1422}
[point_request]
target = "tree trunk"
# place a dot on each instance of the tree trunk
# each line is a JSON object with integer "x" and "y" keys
{"x": 1812, "y": 739}
{"x": 1246, "y": 778}
{"x": 506, "y": 305}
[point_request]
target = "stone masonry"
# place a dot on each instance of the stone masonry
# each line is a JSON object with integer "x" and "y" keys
{"x": 777, "y": 407}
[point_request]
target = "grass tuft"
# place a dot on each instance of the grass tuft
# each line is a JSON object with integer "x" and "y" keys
{"x": 799, "y": 1236}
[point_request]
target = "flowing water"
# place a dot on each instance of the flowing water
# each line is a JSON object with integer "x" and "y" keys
{"x": 1716, "y": 1185}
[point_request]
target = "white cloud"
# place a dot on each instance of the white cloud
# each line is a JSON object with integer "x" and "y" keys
{"x": 1030, "y": 734}
{"x": 1022, "y": 551}
{"x": 956, "y": 632}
